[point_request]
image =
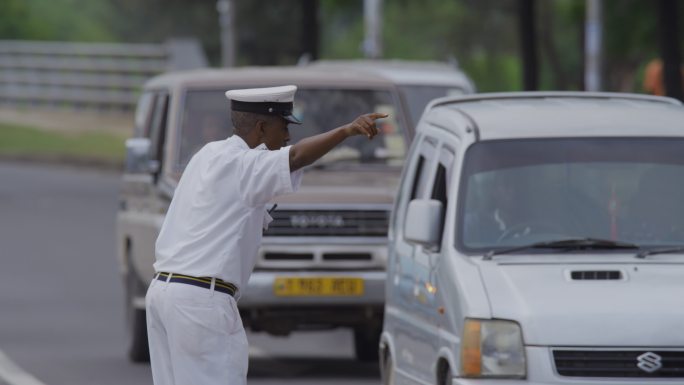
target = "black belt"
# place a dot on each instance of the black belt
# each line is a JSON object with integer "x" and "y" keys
{"x": 219, "y": 285}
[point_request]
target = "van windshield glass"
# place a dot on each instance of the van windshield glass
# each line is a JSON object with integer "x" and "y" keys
{"x": 206, "y": 117}
{"x": 517, "y": 192}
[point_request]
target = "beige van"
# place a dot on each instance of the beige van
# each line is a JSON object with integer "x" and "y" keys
{"x": 322, "y": 261}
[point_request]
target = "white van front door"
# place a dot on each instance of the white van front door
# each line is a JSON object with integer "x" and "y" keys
{"x": 425, "y": 271}
{"x": 402, "y": 319}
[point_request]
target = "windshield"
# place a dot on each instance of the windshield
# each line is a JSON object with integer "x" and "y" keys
{"x": 206, "y": 117}
{"x": 418, "y": 97}
{"x": 517, "y": 192}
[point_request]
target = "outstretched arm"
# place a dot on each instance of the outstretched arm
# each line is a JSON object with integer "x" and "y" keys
{"x": 310, "y": 149}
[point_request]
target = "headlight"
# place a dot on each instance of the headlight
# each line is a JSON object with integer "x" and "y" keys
{"x": 492, "y": 348}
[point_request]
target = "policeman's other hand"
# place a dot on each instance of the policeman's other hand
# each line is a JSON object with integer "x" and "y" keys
{"x": 365, "y": 125}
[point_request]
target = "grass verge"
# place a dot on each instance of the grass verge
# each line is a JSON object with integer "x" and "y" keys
{"x": 96, "y": 148}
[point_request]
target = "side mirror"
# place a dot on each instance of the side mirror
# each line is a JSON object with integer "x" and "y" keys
{"x": 138, "y": 157}
{"x": 423, "y": 222}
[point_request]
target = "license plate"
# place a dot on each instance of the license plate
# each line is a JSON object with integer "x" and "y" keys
{"x": 324, "y": 287}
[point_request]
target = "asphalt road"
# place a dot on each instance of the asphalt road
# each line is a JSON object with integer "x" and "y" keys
{"x": 61, "y": 302}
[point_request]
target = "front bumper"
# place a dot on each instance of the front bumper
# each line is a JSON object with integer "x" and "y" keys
{"x": 262, "y": 310}
{"x": 570, "y": 381}
{"x": 471, "y": 381}
{"x": 260, "y": 293}
{"x": 541, "y": 371}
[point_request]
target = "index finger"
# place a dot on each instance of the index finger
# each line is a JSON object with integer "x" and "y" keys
{"x": 377, "y": 115}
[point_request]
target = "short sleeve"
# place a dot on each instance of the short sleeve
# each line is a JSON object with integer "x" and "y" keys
{"x": 266, "y": 174}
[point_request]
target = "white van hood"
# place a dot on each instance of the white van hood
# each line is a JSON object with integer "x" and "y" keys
{"x": 644, "y": 308}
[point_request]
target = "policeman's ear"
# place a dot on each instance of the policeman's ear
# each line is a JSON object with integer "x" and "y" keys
{"x": 260, "y": 127}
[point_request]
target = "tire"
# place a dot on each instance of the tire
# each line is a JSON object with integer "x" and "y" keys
{"x": 366, "y": 344}
{"x": 388, "y": 371}
{"x": 138, "y": 349}
{"x": 447, "y": 378}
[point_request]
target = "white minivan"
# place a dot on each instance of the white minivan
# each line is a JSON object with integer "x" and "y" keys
{"x": 538, "y": 238}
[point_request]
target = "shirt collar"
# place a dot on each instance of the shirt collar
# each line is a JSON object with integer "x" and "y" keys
{"x": 243, "y": 145}
{"x": 239, "y": 142}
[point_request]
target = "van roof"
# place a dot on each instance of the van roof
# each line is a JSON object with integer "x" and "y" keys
{"x": 266, "y": 76}
{"x": 405, "y": 72}
{"x": 567, "y": 114}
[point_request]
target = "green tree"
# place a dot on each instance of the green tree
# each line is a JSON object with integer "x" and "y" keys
{"x": 482, "y": 35}
{"x": 55, "y": 20}
{"x": 631, "y": 40}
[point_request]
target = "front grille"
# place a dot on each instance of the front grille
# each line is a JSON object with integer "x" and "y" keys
{"x": 619, "y": 363}
{"x": 596, "y": 275}
{"x": 329, "y": 223}
{"x": 347, "y": 256}
{"x": 288, "y": 256}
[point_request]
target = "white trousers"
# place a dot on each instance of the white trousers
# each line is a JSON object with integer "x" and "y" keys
{"x": 195, "y": 336}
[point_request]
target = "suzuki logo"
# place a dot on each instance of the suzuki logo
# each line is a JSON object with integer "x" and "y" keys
{"x": 649, "y": 362}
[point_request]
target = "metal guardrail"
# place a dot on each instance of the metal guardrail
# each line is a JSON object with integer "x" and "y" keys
{"x": 101, "y": 76}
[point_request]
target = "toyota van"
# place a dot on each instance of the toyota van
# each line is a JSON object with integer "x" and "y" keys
{"x": 322, "y": 260}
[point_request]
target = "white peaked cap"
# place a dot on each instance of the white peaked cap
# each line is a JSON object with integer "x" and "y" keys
{"x": 282, "y": 94}
{"x": 270, "y": 101}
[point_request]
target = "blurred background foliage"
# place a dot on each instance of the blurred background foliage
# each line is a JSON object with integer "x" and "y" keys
{"x": 481, "y": 35}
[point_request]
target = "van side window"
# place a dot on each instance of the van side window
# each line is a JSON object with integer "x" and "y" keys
{"x": 440, "y": 184}
{"x": 439, "y": 192}
{"x": 417, "y": 176}
{"x": 428, "y": 150}
{"x": 158, "y": 129}
{"x": 142, "y": 115}
{"x": 415, "y": 163}
{"x": 414, "y": 179}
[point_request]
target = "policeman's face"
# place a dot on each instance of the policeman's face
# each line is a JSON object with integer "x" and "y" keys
{"x": 276, "y": 133}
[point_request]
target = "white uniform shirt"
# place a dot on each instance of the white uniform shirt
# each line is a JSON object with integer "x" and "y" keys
{"x": 214, "y": 224}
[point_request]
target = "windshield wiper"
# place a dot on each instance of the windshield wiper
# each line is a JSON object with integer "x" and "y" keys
{"x": 566, "y": 244}
{"x": 665, "y": 250}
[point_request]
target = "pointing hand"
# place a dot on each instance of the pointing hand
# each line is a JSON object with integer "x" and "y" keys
{"x": 365, "y": 125}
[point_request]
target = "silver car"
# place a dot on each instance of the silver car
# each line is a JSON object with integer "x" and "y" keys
{"x": 538, "y": 238}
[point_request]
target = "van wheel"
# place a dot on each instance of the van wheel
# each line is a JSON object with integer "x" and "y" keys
{"x": 388, "y": 371}
{"x": 366, "y": 344}
{"x": 138, "y": 349}
{"x": 446, "y": 378}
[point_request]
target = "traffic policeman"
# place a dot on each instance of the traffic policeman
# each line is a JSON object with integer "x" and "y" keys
{"x": 207, "y": 246}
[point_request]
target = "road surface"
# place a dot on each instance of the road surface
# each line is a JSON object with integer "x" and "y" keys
{"x": 61, "y": 299}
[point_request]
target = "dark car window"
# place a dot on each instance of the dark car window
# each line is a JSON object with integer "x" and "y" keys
{"x": 142, "y": 115}
{"x": 518, "y": 192}
{"x": 206, "y": 117}
{"x": 418, "y": 176}
{"x": 158, "y": 128}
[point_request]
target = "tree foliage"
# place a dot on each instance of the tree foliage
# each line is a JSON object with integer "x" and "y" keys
{"x": 482, "y": 35}
{"x": 55, "y": 20}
